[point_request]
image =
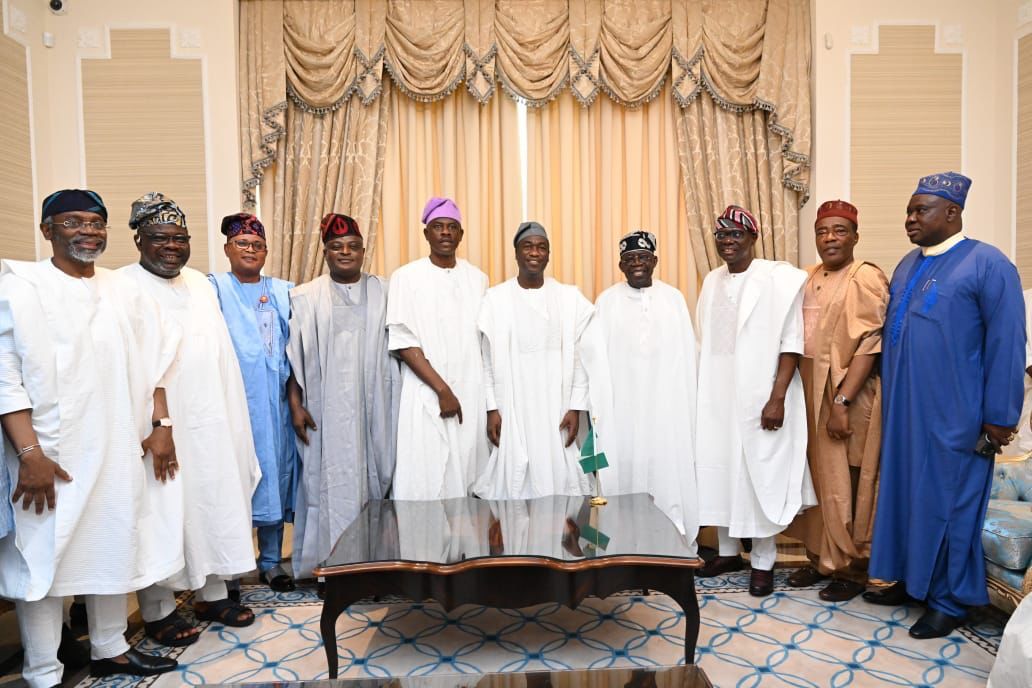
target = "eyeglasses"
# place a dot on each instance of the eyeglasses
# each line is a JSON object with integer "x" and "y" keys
{"x": 75, "y": 223}
{"x": 161, "y": 239}
{"x": 637, "y": 258}
{"x": 838, "y": 232}
{"x": 722, "y": 234}
{"x": 256, "y": 246}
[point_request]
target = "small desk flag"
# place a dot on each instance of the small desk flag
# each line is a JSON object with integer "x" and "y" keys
{"x": 590, "y": 461}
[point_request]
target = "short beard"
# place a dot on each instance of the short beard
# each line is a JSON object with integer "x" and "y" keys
{"x": 85, "y": 256}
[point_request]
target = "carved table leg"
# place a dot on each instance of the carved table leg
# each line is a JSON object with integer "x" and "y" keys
{"x": 690, "y": 605}
{"x": 679, "y": 585}
{"x": 339, "y": 596}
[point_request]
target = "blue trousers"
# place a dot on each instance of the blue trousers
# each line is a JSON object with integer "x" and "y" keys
{"x": 270, "y": 546}
{"x": 940, "y": 597}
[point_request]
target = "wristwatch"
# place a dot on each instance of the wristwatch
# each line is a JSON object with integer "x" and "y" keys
{"x": 165, "y": 422}
{"x": 841, "y": 400}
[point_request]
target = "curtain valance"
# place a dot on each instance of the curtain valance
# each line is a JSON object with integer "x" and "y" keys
{"x": 745, "y": 54}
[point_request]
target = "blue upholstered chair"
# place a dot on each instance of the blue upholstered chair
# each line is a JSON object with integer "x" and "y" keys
{"x": 1007, "y": 532}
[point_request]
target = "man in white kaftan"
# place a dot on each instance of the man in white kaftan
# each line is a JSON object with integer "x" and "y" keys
{"x": 432, "y": 326}
{"x": 543, "y": 364}
{"x": 650, "y": 346}
{"x": 209, "y": 506}
{"x": 751, "y": 423}
{"x": 343, "y": 394}
{"x": 82, "y": 354}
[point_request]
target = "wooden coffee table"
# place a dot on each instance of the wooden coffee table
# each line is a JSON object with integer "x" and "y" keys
{"x": 509, "y": 554}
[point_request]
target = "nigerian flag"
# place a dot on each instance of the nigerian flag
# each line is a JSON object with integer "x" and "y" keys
{"x": 594, "y": 537}
{"x": 590, "y": 461}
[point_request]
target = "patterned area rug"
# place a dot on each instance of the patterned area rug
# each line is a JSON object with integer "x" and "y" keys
{"x": 791, "y": 638}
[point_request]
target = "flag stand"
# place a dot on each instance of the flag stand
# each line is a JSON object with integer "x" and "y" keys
{"x": 592, "y": 462}
{"x": 598, "y": 499}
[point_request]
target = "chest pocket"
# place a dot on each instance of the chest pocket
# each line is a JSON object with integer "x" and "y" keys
{"x": 933, "y": 300}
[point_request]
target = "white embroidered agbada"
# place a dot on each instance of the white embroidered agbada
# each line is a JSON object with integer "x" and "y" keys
{"x": 752, "y": 481}
{"x": 542, "y": 358}
{"x": 650, "y": 346}
{"x": 435, "y": 309}
{"x": 349, "y": 384}
{"x": 85, "y": 355}
{"x": 210, "y": 499}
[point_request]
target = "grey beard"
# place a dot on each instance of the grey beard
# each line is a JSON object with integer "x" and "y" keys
{"x": 84, "y": 256}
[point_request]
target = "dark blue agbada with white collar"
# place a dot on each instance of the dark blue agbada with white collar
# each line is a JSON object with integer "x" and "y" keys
{"x": 953, "y": 358}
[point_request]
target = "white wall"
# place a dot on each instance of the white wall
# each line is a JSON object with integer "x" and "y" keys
{"x": 199, "y": 29}
{"x": 985, "y": 34}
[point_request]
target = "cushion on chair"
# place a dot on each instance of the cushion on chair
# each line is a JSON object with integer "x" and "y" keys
{"x": 1008, "y": 577}
{"x": 1012, "y": 481}
{"x": 1007, "y": 533}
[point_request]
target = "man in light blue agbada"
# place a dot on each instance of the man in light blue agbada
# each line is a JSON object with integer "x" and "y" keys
{"x": 257, "y": 313}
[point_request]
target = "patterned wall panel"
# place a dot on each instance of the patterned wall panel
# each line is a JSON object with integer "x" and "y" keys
{"x": 905, "y": 122}
{"x": 144, "y": 131}
{"x": 17, "y": 223}
{"x": 1024, "y": 158}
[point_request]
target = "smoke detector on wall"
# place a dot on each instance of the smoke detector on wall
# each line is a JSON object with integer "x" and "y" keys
{"x": 58, "y": 6}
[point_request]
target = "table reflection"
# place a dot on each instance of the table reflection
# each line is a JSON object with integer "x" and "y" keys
{"x": 565, "y": 528}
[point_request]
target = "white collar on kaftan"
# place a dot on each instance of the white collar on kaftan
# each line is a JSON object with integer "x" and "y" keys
{"x": 945, "y": 246}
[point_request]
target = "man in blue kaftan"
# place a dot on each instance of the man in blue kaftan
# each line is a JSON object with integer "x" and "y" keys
{"x": 257, "y": 312}
{"x": 953, "y": 356}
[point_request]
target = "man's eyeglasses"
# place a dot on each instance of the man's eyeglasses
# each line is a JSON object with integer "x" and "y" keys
{"x": 256, "y": 246}
{"x": 161, "y": 239}
{"x": 637, "y": 258}
{"x": 735, "y": 234}
{"x": 74, "y": 223}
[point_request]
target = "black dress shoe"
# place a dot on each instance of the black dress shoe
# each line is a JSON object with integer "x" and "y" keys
{"x": 805, "y": 577}
{"x": 719, "y": 565}
{"x": 840, "y": 590}
{"x": 935, "y": 624}
{"x": 761, "y": 583}
{"x": 73, "y": 654}
{"x": 892, "y": 596}
{"x": 139, "y": 664}
{"x": 277, "y": 579}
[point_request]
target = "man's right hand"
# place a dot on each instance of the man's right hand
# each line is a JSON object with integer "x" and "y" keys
{"x": 494, "y": 427}
{"x": 36, "y": 478}
{"x": 302, "y": 421}
{"x": 449, "y": 404}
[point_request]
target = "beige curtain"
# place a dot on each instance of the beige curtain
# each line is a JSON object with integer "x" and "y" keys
{"x": 734, "y": 158}
{"x": 597, "y": 173}
{"x": 458, "y": 148}
{"x": 331, "y": 162}
{"x": 741, "y": 72}
{"x": 750, "y": 58}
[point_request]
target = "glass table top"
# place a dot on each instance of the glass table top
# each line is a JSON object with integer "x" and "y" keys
{"x": 562, "y": 528}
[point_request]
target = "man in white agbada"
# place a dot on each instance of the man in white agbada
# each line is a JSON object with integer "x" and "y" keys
{"x": 540, "y": 355}
{"x": 209, "y": 508}
{"x": 751, "y": 424}
{"x": 432, "y": 326}
{"x": 343, "y": 394}
{"x": 650, "y": 346}
{"x": 81, "y": 359}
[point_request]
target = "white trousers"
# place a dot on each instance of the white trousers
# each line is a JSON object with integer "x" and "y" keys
{"x": 157, "y": 602}
{"x": 764, "y": 550}
{"x": 40, "y": 625}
